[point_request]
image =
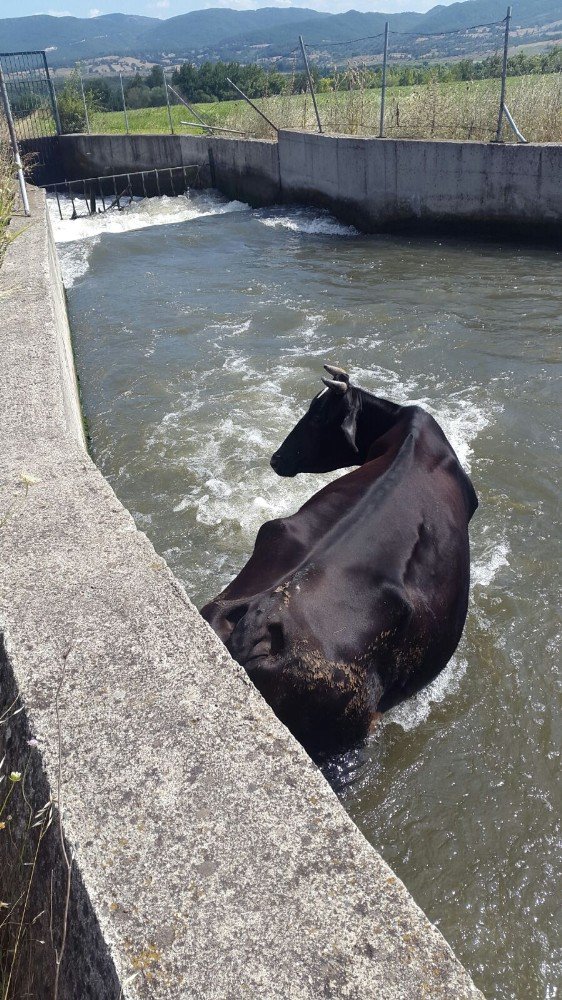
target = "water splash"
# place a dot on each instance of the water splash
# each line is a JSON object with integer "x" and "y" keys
{"x": 313, "y": 222}
{"x": 76, "y": 238}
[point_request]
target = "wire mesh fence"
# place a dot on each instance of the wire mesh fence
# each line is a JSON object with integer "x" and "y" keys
{"x": 426, "y": 86}
{"x": 30, "y": 93}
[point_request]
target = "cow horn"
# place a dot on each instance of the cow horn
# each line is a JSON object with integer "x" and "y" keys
{"x": 337, "y": 373}
{"x": 333, "y": 384}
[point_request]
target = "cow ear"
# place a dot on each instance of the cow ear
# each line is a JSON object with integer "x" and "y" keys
{"x": 349, "y": 425}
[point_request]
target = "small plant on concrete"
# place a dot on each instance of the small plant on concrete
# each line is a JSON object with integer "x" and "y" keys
{"x": 22, "y": 830}
{"x": 26, "y": 480}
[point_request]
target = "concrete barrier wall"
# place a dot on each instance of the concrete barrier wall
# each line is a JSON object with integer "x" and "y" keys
{"x": 209, "y": 858}
{"x": 392, "y": 184}
{"x": 247, "y": 169}
{"x": 471, "y": 188}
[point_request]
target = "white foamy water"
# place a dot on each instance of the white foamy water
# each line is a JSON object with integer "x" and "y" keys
{"x": 305, "y": 220}
{"x": 85, "y": 231}
{"x": 417, "y": 710}
{"x": 137, "y": 214}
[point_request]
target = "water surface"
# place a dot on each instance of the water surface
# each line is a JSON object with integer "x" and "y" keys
{"x": 199, "y": 344}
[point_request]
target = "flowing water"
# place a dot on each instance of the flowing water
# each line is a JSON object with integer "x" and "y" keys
{"x": 198, "y": 345}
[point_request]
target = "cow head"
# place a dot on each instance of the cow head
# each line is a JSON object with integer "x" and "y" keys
{"x": 324, "y": 439}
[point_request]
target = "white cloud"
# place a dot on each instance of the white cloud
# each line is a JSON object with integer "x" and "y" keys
{"x": 163, "y": 4}
{"x": 60, "y": 13}
{"x": 94, "y": 12}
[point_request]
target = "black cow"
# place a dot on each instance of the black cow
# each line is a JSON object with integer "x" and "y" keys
{"x": 359, "y": 599}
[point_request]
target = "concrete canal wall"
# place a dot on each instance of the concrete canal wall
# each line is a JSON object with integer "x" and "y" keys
{"x": 199, "y": 852}
{"x": 472, "y": 188}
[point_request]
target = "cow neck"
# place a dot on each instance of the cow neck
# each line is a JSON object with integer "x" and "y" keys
{"x": 376, "y": 417}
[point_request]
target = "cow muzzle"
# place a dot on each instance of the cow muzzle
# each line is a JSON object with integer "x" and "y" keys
{"x": 281, "y": 467}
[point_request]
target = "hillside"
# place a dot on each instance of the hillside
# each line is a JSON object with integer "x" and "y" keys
{"x": 271, "y": 32}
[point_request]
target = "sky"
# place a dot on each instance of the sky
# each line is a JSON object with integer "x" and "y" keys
{"x": 169, "y": 8}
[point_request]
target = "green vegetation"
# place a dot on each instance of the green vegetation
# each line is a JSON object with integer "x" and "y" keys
{"x": 71, "y": 105}
{"x": 457, "y": 110}
{"x": 7, "y": 190}
{"x": 208, "y": 83}
{"x": 22, "y": 831}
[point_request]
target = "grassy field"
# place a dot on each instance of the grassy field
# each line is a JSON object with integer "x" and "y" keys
{"x": 460, "y": 110}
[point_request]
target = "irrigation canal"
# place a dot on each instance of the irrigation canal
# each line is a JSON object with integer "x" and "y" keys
{"x": 199, "y": 343}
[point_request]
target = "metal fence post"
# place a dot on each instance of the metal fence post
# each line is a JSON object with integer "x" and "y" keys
{"x": 84, "y": 101}
{"x": 14, "y": 141}
{"x": 252, "y": 105}
{"x": 124, "y": 105}
{"x": 189, "y": 107}
{"x": 168, "y": 102}
{"x": 504, "y": 75}
{"x": 383, "y": 93}
{"x": 53, "y": 95}
{"x": 310, "y": 84}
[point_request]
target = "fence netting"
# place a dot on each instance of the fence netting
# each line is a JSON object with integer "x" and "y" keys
{"x": 432, "y": 86}
{"x": 30, "y": 93}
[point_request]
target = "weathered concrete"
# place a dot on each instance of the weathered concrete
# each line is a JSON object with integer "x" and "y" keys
{"x": 470, "y": 188}
{"x": 211, "y": 858}
{"x": 246, "y": 169}
{"x": 391, "y": 184}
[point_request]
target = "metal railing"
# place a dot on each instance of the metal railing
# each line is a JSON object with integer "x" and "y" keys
{"x": 100, "y": 194}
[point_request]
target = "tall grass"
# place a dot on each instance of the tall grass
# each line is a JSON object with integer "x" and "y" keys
{"x": 7, "y": 189}
{"x": 459, "y": 111}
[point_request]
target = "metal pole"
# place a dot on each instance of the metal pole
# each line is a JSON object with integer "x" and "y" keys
{"x": 189, "y": 107}
{"x": 251, "y": 103}
{"x": 84, "y": 101}
{"x": 383, "y": 92}
{"x": 124, "y": 105}
{"x": 168, "y": 102}
{"x": 53, "y": 95}
{"x": 14, "y": 141}
{"x": 504, "y": 75}
{"x": 310, "y": 84}
{"x": 213, "y": 128}
{"x": 509, "y": 116}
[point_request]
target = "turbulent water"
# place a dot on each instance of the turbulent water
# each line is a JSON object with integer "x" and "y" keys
{"x": 198, "y": 344}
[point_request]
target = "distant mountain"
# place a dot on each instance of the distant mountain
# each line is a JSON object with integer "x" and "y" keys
{"x": 271, "y": 32}
{"x": 72, "y": 38}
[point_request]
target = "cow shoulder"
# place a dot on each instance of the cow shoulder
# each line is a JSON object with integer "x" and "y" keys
{"x": 433, "y": 443}
{"x": 274, "y": 531}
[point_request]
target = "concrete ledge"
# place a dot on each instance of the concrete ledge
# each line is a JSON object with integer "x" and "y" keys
{"x": 211, "y": 860}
